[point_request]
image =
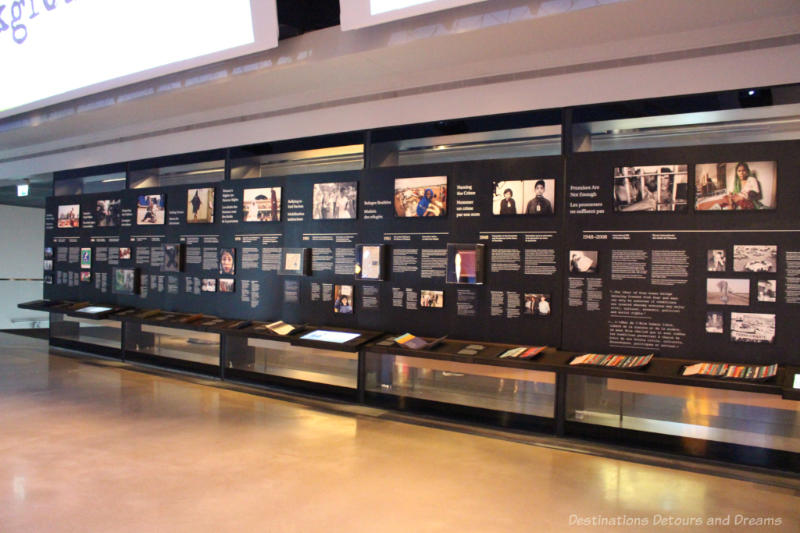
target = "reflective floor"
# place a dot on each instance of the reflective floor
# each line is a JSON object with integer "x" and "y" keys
{"x": 91, "y": 447}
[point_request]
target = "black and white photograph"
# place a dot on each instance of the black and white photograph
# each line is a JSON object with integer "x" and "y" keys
{"x": 335, "y": 200}
{"x": 716, "y": 261}
{"x": 420, "y": 197}
{"x": 767, "y": 290}
{"x": 150, "y": 210}
{"x": 714, "y": 322}
{"x": 108, "y": 213}
{"x": 651, "y": 188}
{"x": 369, "y": 262}
{"x": 227, "y": 285}
{"x": 736, "y": 186}
{"x": 69, "y": 216}
{"x": 227, "y": 261}
{"x": 343, "y": 299}
{"x": 431, "y": 299}
{"x": 524, "y": 197}
{"x": 753, "y": 327}
{"x": 124, "y": 253}
{"x": 583, "y": 261}
{"x": 261, "y": 205}
{"x": 465, "y": 263}
{"x": 48, "y": 264}
{"x": 294, "y": 262}
{"x": 125, "y": 281}
{"x": 200, "y": 206}
{"x": 727, "y": 291}
{"x": 208, "y": 285}
{"x": 86, "y": 258}
{"x": 755, "y": 258}
{"x": 173, "y": 260}
{"x": 536, "y": 304}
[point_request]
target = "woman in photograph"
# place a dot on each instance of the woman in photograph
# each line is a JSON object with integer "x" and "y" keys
{"x": 746, "y": 193}
{"x": 226, "y": 262}
{"x": 507, "y": 204}
{"x": 427, "y": 206}
{"x": 342, "y": 305}
{"x": 196, "y": 203}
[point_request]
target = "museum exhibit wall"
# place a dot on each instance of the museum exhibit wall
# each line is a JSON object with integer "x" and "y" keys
{"x": 631, "y": 251}
{"x": 21, "y": 233}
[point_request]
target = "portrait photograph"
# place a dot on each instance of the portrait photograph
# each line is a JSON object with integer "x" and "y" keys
{"x": 767, "y": 290}
{"x": 755, "y": 258}
{"x": 583, "y": 261}
{"x": 420, "y": 197}
{"x": 343, "y": 299}
{"x": 261, "y": 205}
{"x": 227, "y": 285}
{"x": 465, "y": 263}
{"x": 753, "y": 327}
{"x": 86, "y": 258}
{"x": 108, "y": 213}
{"x": 736, "y": 186}
{"x": 335, "y": 200}
{"x": 431, "y": 299}
{"x": 150, "y": 209}
{"x": 369, "y": 262}
{"x": 716, "y": 261}
{"x": 200, "y": 206}
{"x": 69, "y": 216}
{"x": 727, "y": 291}
{"x": 173, "y": 261}
{"x": 536, "y": 304}
{"x": 714, "y": 322}
{"x": 524, "y": 197}
{"x": 651, "y": 188}
{"x": 227, "y": 261}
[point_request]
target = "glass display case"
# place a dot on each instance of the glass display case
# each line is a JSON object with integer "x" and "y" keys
{"x": 98, "y": 336}
{"x": 182, "y": 348}
{"x": 497, "y": 388}
{"x": 298, "y": 363}
{"x": 710, "y": 414}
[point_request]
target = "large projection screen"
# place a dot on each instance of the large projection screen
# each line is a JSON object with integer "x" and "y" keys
{"x": 57, "y": 50}
{"x": 357, "y": 14}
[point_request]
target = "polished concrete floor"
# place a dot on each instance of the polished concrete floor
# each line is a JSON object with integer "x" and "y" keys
{"x": 91, "y": 447}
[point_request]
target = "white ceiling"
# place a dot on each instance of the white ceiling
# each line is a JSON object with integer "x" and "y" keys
{"x": 493, "y": 57}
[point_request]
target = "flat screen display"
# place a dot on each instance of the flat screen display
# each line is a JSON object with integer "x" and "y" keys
{"x": 58, "y": 50}
{"x": 796, "y": 384}
{"x": 93, "y": 310}
{"x": 325, "y": 335}
{"x": 362, "y": 13}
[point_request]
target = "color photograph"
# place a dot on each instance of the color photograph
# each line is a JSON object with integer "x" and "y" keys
{"x": 69, "y": 216}
{"x": 125, "y": 280}
{"x": 261, "y": 205}
{"x": 200, "y": 206}
{"x": 108, "y": 213}
{"x": 124, "y": 253}
{"x": 86, "y": 277}
{"x": 420, "y": 197}
{"x": 227, "y": 285}
{"x": 736, "y": 186}
{"x": 524, "y": 197}
{"x": 727, "y": 291}
{"x": 86, "y": 258}
{"x": 431, "y": 299}
{"x": 336, "y": 200}
{"x": 465, "y": 263}
{"x": 343, "y": 299}
{"x": 651, "y": 188}
{"x": 208, "y": 285}
{"x": 150, "y": 209}
{"x": 536, "y": 305}
{"x": 227, "y": 261}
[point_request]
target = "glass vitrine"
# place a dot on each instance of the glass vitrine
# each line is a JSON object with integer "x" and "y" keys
{"x": 103, "y": 333}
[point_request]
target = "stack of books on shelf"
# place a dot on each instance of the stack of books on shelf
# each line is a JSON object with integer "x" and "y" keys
{"x": 729, "y": 371}
{"x": 522, "y": 352}
{"x": 613, "y": 360}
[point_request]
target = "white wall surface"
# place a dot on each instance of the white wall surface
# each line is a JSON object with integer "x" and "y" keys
{"x": 22, "y": 249}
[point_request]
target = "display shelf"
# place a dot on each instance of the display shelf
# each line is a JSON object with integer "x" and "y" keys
{"x": 40, "y": 305}
{"x": 175, "y": 347}
{"x": 103, "y": 337}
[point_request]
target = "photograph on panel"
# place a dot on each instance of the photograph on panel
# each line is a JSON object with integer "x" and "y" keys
{"x": 714, "y": 322}
{"x": 227, "y": 285}
{"x": 583, "y": 261}
{"x": 86, "y": 277}
{"x": 420, "y": 197}
{"x": 69, "y": 216}
{"x": 742, "y": 186}
{"x": 755, "y": 258}
{"x": 716, "y": 261}
{"x": 523, "y": 197}
{"x": 48, "y": 264}
{"x": 200, "y": 206}
{"x": 86, "y": 258}
{"x": 208, "y": 285}
{"x": 651, "y": 188}
{"x": 172, "y": 258}
{"x": 150, "y": 209}
{"x": 369, "y": 262}
{"x": 124, "y": 253}
{"x": 767, "y": 290}
{"x": 108, "y": 213}
{"x": 536, "y": 304}
{"x": 336, "y": 200}
{"x": 227, "y": 261}
{"x": 431, "y": 299}
{"x": 48, "y": 252}
{"x": 753, "y": 327}
{"x": 125, "y": 280}
{"x": 261, "y": 205}
{"x": 343, "y": 299}
{"x": 465, "y": 263}
{"x": 727, "y": 291}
